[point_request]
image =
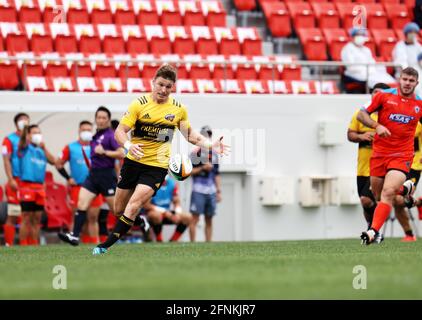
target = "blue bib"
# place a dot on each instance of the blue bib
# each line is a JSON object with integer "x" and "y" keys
{"x": 164, "y": 196}
{"x": 33, "y": 164}
{"x": 78, "y": 168}
{"x": 16, "y": 168}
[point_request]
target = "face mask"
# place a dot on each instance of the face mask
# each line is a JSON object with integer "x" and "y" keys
{"x": 360, "y": 40}
{"x": 86, "y": 136}
{"x": 411, "y": 37}
{"x": 36, "y": 138}
{"x": 21, "y": 124}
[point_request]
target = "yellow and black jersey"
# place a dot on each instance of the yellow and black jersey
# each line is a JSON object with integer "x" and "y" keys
{"x": 365, "y": 148}
{"x": 153, "y": 125}
{"x": 417, "y": 165}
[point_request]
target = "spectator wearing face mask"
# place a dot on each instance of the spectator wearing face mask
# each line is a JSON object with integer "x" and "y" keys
{"x": 33, "y": 163}
{"x": 356, "y": 78}
{"x": 406, "y": 51}
{"x": 78, "y": 154}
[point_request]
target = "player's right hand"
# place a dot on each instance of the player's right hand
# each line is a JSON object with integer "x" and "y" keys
{"x": 382, "y": 131}
{"x": 13, "y": 184}
{"x": 71, "y": 182}
{"x": 136, "y": 150}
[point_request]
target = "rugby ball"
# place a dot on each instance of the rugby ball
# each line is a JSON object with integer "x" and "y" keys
{"x": 180, "y": 166}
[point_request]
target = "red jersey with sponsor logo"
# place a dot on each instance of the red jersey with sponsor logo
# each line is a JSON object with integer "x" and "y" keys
{"x": 400, "y": 115}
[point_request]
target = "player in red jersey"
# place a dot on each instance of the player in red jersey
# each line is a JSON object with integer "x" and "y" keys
{"x": 399, "y": 111}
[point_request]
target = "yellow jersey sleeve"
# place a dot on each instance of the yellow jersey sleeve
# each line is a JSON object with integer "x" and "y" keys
{"x": 131, "y": 115}
{"x": 355, "y": 124}
{"x": 184, "y": 119}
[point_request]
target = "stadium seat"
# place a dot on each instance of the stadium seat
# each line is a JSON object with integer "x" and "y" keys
{"x": 31, "y": 69}
{"x": 75, "y": 15}
{"x": 109, "y": 84}
{"x": 104, "y": 71}
{"x": 216, "y": 19}
{"x": 232, "y": 86}
{"x": 80, "y": 70}
{"x": 302, "y": 14}
{"x": 199, "y": 71}
{"x": 59, "y": 215}
{"x": 137, "y": 45}
{"x": 208, "y": 86}
{"x": 37, "y": 84}
{"x": 377, "y": 18}
{"x": 227, "y": 40}
{"x": 171, "y": 18}
{"x": 250, "y": 41}
{"x": 221, "y": 72}
{"x": 147, "y": 13}
{"x": 124, "y": 17}
{"x": 148, "y": 70}
{"x": 291, "y": 72}
{"x": 278, "y": 18}
{"x": 41, "y": 44}
{"x": 89, "y": 44}
{"x": 56, "y": 70}
{"x": 65, "y": 44}
{"x": 50, "y": 15}
{"x": 313, "y": 43}
{"x": 181, "y": 40}
{"x": 87, "y": 84}
{"x": 101, "y": 16}
{"x": 138, "y": 85}
{"x": 193, "y": 18}
{"x": 186, "y": 86}
{"x": 268, "y": 72}
{"x": 65, "y": 84}
{"x": 256, "y": 87}
{"x": 277, "y": 87}
{"x": 9, "y": 79}
{"x": 326, "y": 87}
{"x": 160, "y": 45}
{"x": 336, "y": 39}
{"x": 8, "y": 14}
{"x": 245, "y": 5}
{"x": 347, "y": 13}
{"x": 397, "y": 14}
{"x": 29, "y": 14}
{"x": 128, "y": 71}
{"x": 245, "y": 72}
{"x": 16, "y": 43}
{"x": 385, "y": 41}
{"x": 113, "y": 45}
{"x": 326, "y": 14}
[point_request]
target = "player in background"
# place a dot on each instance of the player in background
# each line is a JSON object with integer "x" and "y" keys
{"x": 363, "y": 135}
{"x": 102, "y": 176}
{"x": 165, "y": 208}
{"x": 12, "y": 169}
{"x": 153, "y": 119}
{"x": 75, "y": 153}
{"x": 399, "y": 111}
{"x": 33, "y": 162}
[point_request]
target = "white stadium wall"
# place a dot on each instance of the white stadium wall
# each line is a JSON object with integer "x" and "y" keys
{"x": 270, "y": 136}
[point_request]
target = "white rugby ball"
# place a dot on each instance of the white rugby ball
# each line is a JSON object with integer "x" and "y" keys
{"x": 180, "y": 166}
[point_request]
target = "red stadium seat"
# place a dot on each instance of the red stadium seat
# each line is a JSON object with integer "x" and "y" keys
{"x": 245, "y": 5}
{"x": 75, "y": 15}
{"x": 49, "y": 15}
{"x": 193, "y": 18}
{"x": 148, "y": 71}
{"x": 245, "y": 72}
{"x": 186, "y": 86}
{"x": 41, "y": 43}
{"x": 206, "y": 46}
{"x": 8, "y": 14}
{"x": 256, "y": 86}
{"x": 38, "y": 84}
{"x": 302, "y": 14}
{"x": 56, "y": 70}
{"x": 29, "y": 14}
{"x": 104, "y": 71}
{"x": 101, "y": 16}
{"x": 9, "y": 79}
{"x": 88, "y": 44}
{"x": 16, "y": 43}
{"x": 397, "y": 14}
{"x": 88, "y": 84}
{"x": 124, "y": 17}
{"x": 148, "y": 18}
{"x": 336, "y": 40}
{"x": 31, "y": 70}
{"x": 137, "y": 45}
{"x": 228, "y": 41}
{"x": 128, "y": 71}
{"x": 80, "y": 70}
{"x": 111, "y": 84}
{"x": 199, "y": 71}
{"x": 385, "y": 41}
{"x": 291, "y": 72}
{"x": 65, "y": 44}
{"x": 326, "y": 14}
{"x": 184, "y": 46}
{"x": 250, "y": 41}
{"x": 313, "y": 43}
{"x": 278, "y": 18}
{"x": 208, "y": 86}
{"x": 113, "y": 45}
{"x": 347, "y": 13}
{"x": 160, "y": 45}
{"x": 268, "y": 72}
{"x": 232, "y": 86}
{"x": 221, "y": 72}
{"x": 377, "y": 19}
{"x": 171, "y": 18}
{"x": 59, "y": 215}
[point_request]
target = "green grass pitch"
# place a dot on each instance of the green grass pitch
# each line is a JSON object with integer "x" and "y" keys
{"x": 248, "y": 270}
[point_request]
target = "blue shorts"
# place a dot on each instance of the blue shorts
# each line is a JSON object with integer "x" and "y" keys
{"x": 101, "y": 181}
{"x": 201, "y": 203}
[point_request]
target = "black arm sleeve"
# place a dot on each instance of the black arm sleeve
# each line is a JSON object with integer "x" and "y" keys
{"x": 64, "y": 173}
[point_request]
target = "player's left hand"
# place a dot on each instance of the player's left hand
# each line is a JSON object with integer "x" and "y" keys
{"x": 219, "y": 198}
{"x": 99, "y": 149}
{"x": 220, "y": 148}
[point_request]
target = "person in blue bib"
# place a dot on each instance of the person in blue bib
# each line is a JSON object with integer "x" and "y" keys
{"x": 165, "y": 208}
{"x": 78, "y": 154}
{"x": 34, "y": 157}
{"x": 12, "y": 170}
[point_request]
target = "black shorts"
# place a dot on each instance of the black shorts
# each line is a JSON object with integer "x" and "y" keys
{"x": 134, "y": 173}
{"x": 364, "y": 187}
{"x": 414, "y": 175}
{"x": 31, "y": 206}
{"x": 101, "y": 181}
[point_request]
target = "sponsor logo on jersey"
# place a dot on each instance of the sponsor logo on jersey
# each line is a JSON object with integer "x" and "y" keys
{"x": 146, "y": 116}
{"x": 394, "y": 103}
{"x": 401, "y": 118}
{"x": 169, "y": 117}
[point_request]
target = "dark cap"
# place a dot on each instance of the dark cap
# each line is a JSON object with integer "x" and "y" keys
{"x": 206, "y": 131}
